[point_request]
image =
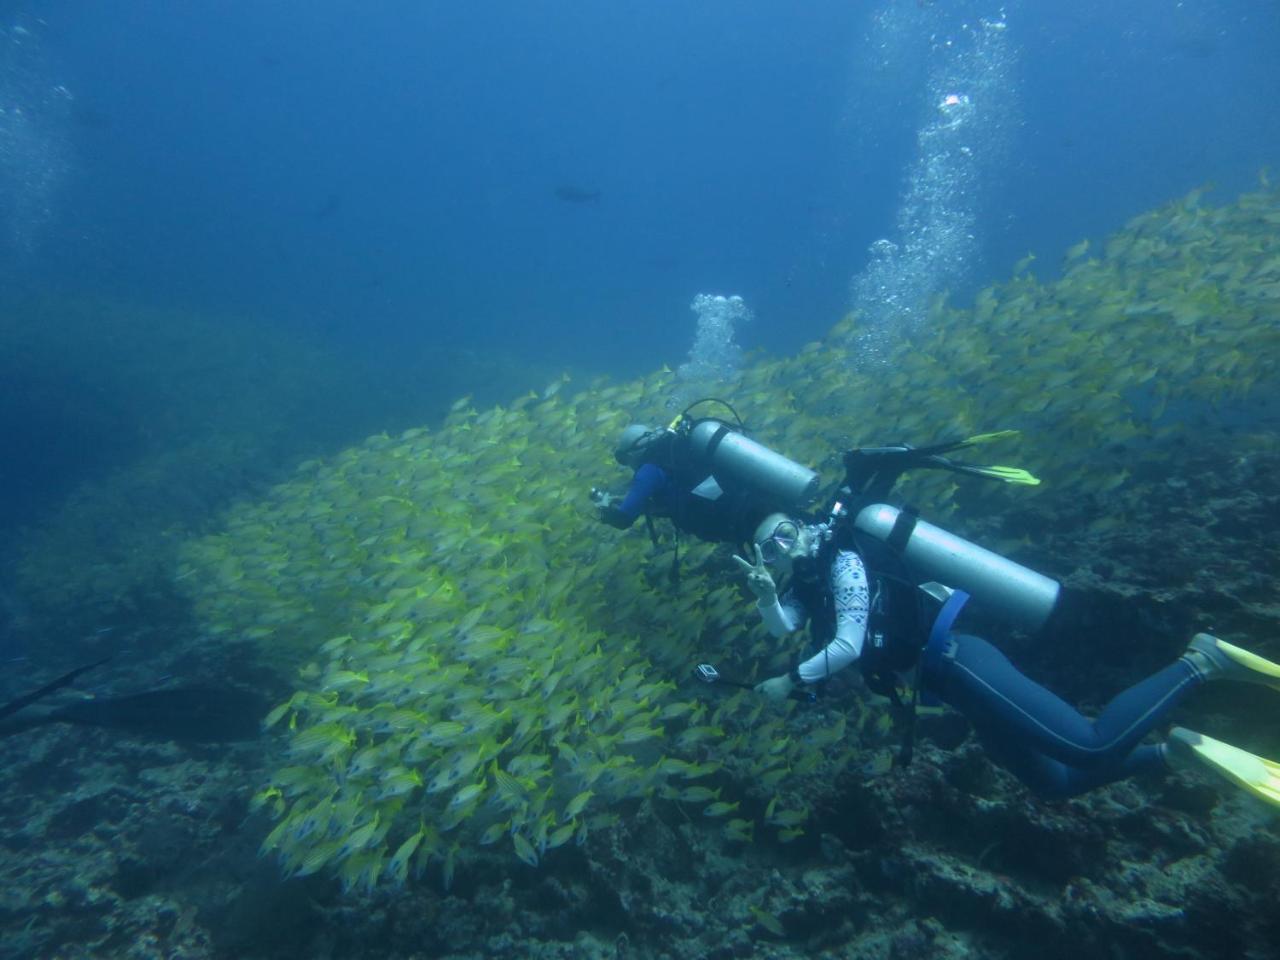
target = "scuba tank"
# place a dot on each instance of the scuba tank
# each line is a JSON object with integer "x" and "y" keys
{"x": 1016, "y": 592}
{"x": 734, "y": 457}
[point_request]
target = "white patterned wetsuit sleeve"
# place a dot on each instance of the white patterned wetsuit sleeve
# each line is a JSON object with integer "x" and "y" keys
{"x": 782, "y": 618}
{"x": 852, "y": 600}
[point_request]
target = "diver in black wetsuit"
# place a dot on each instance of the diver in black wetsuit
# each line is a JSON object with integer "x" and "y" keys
{"x": 1025, "y": 728}
{"x": 664, "y": 485}
{"x": 705, "y": 476}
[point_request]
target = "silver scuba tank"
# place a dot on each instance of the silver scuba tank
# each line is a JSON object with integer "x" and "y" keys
{"x": 728, "y": 455}
{"x": 1012, "y": 590}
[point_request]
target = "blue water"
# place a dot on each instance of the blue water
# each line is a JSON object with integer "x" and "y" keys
{"x": 235, "y": 235}
{"x": 389, "y": 179}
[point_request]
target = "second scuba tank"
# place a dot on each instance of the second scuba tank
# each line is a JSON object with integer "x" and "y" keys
{"x": 1021, "y": 594}
{"x": 731, "y": 456}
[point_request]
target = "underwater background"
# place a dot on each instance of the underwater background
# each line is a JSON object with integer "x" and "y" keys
{"x": 318, "y": 322}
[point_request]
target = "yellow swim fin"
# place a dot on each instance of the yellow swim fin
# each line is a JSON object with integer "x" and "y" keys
{"x": 1259, "y": 776}
{"x": 1217, "y": 659}
{"x": 1007, "y": 474}
{"x": 1011, "y": 475}
{"x": 988, "y": 437}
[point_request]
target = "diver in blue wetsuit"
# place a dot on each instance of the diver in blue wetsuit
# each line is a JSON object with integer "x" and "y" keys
{"x": 652, "y": 454}
{"x": 1027, "y": 729}
{"x": 663, "y": 487}
{"x": 705, "y": 475}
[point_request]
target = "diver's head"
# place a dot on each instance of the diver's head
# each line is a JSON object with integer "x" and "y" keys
{"x": 633, "y": 444}
{"x": 783, "y": 540}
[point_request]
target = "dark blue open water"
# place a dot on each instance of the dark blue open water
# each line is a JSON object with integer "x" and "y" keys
{"x": 237, "y": 235}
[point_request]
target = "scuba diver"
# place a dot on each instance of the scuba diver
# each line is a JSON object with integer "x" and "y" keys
{"x": 705, "y": 475}
{"x": 850, "y": 580}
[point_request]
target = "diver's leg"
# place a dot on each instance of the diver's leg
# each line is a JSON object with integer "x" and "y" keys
{"x": 1053, "y": 779}
{"x": 979, "y": 681}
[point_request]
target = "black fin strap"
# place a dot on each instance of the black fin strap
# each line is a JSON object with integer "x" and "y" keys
{"x": 903, "y": 527}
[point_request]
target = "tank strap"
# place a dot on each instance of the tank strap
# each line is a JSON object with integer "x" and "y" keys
{"x": 936, "y": 644}
{"x": 937, "y": 636}
{"x": 716, "y": 438}
{"x": 945, "y": 618}
{"x": 903, "y": 527}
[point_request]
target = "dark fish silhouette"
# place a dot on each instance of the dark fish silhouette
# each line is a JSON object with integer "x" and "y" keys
{"x": 1200, "y": 46}
{"x": 196, "y": 713}
{"x": 572, "y": 194}
{"x": 11, "y": 708}
{"x": 88, "y": 116}
{"x": 331, "y": 205}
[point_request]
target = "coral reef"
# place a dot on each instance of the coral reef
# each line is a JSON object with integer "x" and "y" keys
{"x": 147, "y": 849}
{"x": 490, "y": 744}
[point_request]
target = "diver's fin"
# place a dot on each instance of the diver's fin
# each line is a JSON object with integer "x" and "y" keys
{"x": 994, "y": 435}
{"x": 1259, "y": 776}
{"x": 1216, "y": 659}
{"x": 871, "y": 472}
{"x": 25, "y": 701}
{"x": 931, "y": 456}
{"x": 1005, "y": 474}
{"x": 948, "y": 445}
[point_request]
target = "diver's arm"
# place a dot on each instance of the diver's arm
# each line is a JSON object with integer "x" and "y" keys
{"x": 648, "y": 479}
{"x": 614, "y": 517}
{"x": 852, "y": 600}
{"x": 779, "y": 618}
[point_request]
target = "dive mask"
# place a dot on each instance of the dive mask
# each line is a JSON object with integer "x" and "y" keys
{"x": 779, "y": 543}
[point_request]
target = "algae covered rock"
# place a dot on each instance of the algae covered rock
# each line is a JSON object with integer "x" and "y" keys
{"x": 478, "y": 662}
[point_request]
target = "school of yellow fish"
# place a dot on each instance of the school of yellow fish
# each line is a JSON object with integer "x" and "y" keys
{"x": 479, "y": 661}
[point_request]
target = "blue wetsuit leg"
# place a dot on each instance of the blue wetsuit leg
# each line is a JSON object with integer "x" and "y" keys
{"x": 1036, "y": 735}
